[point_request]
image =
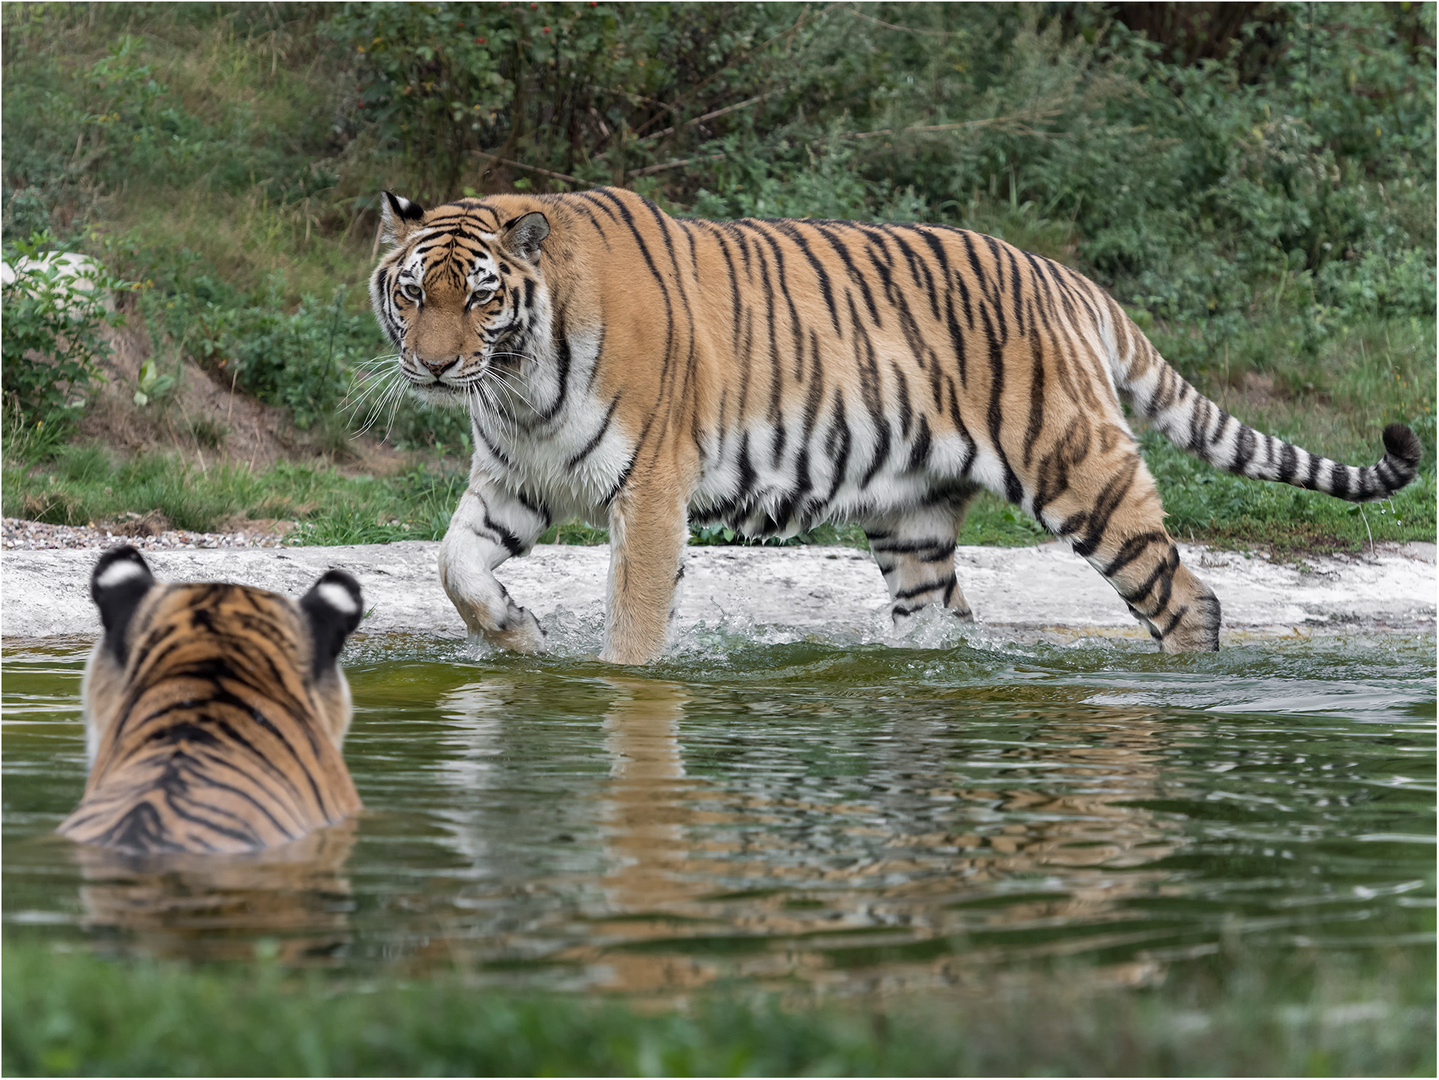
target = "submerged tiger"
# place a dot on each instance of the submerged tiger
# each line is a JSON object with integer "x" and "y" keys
{"x": 650, "y": 372}
{"x": 214, "y": 714}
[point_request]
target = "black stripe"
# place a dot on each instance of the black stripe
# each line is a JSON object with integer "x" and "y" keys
{"x": 791, "y": 229}
{"x": 509, "y": 540}
{"x": 929, "y": 551}
{"x": 993, "y": 285}
{"x": 837, "y": 441}
{"x": 929, "y": 586}
{"x": 563, "y": 373}
{"x": 1243, "y": 450}
{"x": 960, "y": 428}
{"x": 620, "y": 482}
{"x": 1168, "y": 628}
{"x": 1012, "y": 489}
{"x": 1163, "y": 569}
{"x": 590, "y": 447}
{"x": 776, "y": 378}
{"x": 956, "y": 341}
{"x": 1036, "y": 398}
{"x": 669, "y": 319}
{"x": 1339, "y": 480}
{"x": 901, "y": 392}
{"x": 719, "y": 235}
{"x": 1288, "y": 463}
{"x": 870, "y": 392}
{"x": 916, "y": 263}
{"x": 747, "y": 474}
{"x": 1110, "y": 497}
{"x": 909, "y": 326}
{"x": 919, "y": 452}
{"x": 1131, "y": 549}
{"x": 854, "y": 274}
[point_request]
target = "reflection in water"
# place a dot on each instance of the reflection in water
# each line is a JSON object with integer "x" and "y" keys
{"x": 644, "y": 811}
{"x": 803, "y": 818}
{"x": 846, "y": 891}
{"x": 215, "y": 907}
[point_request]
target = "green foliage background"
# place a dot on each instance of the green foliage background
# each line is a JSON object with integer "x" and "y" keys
{"x": 1255, "y": 183}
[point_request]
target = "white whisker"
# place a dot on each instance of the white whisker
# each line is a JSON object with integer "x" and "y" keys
{"x": 393, "y": 390}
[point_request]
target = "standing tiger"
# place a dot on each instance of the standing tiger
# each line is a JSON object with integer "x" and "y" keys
{"x": 653, "y": 372}
{"x": 214, "y": 714}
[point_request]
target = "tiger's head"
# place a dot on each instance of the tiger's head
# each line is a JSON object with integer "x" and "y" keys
{"x": 460, "y": 293}
{"x": 156, "y": 632}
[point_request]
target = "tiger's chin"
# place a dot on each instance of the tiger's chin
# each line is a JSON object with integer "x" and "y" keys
{"x": 440, "y": 396}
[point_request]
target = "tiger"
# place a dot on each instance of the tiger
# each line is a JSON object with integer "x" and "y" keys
{"x": 214, "y": 713}
{"x": 650, "y": 372}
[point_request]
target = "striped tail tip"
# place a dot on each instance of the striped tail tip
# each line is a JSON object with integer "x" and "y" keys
{"x": 1402, "y": 452}
{"x": 1402, "y": 449}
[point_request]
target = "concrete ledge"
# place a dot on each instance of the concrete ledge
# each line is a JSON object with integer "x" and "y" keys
{"x": 46, "y": 593}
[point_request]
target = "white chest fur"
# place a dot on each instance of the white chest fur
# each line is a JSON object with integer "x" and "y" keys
{"x": 547, "y": 431}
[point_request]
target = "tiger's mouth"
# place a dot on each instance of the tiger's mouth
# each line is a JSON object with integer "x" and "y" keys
{"x": 434, "y": 387}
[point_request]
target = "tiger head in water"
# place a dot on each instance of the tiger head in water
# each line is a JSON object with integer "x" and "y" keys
{"x": 214, "y": 713}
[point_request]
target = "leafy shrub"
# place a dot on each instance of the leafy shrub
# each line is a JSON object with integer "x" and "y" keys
{"x": 55, "y": 314}
{"x": 301, "y": 359}
{"x": 571, "y": 89}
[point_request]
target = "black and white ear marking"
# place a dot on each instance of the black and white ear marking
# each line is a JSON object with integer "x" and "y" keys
{"x": 333, "y": 607}
{"x": 523, "y": 234}
{"x": 397, "y": 215}
{"x": 120, "y": 581}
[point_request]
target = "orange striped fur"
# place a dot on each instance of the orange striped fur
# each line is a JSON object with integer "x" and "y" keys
{"x": 214, "y": 714}
{"x": 649, "y": 372}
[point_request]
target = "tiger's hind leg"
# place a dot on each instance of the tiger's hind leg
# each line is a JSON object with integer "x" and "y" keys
{"x": 915, "y": 553}
{"x": 1114, "y": 521}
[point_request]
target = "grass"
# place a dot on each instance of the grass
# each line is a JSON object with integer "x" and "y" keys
{"x": 71, "y": 1013}
{"x": 83, "y": 484}
{"x": 1231, "y": 512}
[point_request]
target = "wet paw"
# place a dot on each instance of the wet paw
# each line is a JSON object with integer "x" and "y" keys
{"x": 520, "y": 632}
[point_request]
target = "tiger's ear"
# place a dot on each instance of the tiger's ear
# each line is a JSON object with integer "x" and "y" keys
{"x": 120, "y": 581}
{"x": 397, "y": 217}
{"x": 332, "y": 607}
{"x": 523, "y": 234}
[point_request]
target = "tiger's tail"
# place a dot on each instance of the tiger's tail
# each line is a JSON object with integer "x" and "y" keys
{"x": 1194, "y": 423}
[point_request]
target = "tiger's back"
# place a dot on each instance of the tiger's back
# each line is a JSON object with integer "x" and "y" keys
{"x": 215, "y": 714}
{"x": 624, "y": 365}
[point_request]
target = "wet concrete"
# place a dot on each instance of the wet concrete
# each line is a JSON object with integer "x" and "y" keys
{"x": 1045, "y": 589}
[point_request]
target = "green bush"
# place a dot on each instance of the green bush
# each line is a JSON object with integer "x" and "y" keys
{"x": 52, "y": 332}
{"x": 300, "y": 359}
{"x": 573, "y": 89}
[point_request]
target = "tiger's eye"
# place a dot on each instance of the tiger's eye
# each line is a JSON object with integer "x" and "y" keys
{"x": 412, "y": 291}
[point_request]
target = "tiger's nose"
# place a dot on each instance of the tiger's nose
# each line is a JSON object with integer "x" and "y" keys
{"x": 439, "y": 367}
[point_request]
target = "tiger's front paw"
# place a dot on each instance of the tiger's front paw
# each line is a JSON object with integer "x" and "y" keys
{"x": 520, "y": 632}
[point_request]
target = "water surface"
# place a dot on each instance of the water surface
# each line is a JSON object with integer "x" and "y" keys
{"x": 805, "y": 815}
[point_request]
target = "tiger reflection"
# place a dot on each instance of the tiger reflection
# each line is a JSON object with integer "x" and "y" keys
{"x": 294, "y": 898}
{"x": 785, "y": 883}
{"x": 677, "y": 844}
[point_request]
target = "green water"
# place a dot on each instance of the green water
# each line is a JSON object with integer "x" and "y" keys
{"x": 841, "y": 818}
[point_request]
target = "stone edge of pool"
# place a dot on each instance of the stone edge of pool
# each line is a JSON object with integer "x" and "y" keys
{"x": 1043, "y": 591}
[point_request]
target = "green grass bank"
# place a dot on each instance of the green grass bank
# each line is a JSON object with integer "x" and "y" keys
{"x": 73, "y": 1014}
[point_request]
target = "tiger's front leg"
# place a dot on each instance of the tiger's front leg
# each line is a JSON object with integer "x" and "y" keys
{"x": 649, "y": 534}
{"x": 488, "y": 527}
